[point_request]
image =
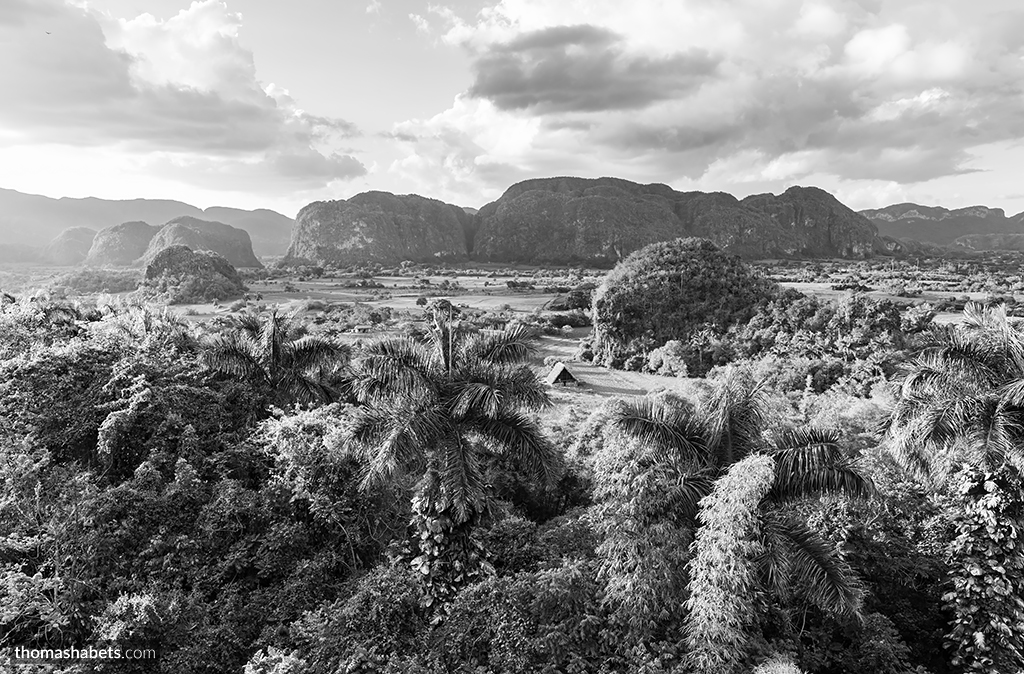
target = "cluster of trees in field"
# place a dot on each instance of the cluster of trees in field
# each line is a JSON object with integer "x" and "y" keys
{"x": 257, "y": 497}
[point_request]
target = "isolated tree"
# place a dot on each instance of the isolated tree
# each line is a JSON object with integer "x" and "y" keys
{"x": 671, "y": 290}
{"x": 439, "y": 412}
{"x": 272, "y": 350}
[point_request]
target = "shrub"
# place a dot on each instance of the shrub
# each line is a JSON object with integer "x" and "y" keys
{"x": 668, "y": 360}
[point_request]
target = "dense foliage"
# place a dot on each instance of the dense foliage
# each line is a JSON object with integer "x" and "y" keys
{"x": 252, "y": 495}
{"x": 178, "y": 275}
{"x": 671, "y": 290}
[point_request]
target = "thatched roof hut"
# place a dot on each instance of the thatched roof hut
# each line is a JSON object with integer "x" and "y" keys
{"x": 560, "y": 375}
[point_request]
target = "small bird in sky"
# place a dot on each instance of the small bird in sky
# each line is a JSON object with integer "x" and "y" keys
{"x": 47, "y": 32}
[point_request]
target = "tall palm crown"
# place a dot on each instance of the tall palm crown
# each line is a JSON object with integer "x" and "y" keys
{"x": 272, "y": 350}
{"x": 687, "y": 449}
{"x": 963, "y": 398}
{"x": 439, "y": 409}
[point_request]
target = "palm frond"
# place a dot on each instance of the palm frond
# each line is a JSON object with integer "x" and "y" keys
{"x": 735, "y": 419}
{"x": 315, "y": 353}
{"x": 945, "y": 420}
{"x": 915, "y": 457}
{"x": 478, "y": 397}
{"x": 394, "y": 439}
{"x": 234, "y": 354}
{"x": 774, "y": 560}
{"x": 514, "y": 386}
{"x": 304, "y": 389}
{"x": 961, "y": 362}
{"x": 823, "y": 480}
{"x": 1011, "y": 394}
{"x": 461, "y": 478}
{"x": 685, "y": 492}
{"x": 60, "y": 312}
{"x": 817, "y": 569}
{"x": 998, "y": 432}
{"x": 250, "y": 323}
{"x": 519, "y": 439}
{"x": 511, "y": 346}
{"x": 809, "y": 462}
{"x": 670, "y": 429}
{"x": 391, "y": 367}
{"x": 822, "y": 440}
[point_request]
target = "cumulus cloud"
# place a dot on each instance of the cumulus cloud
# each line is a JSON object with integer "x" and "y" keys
{"x": 696, "y": 91}
{"x": 421, "y": 23}
{"x": 183, "y": 88}
{"x": 582, "y": 68}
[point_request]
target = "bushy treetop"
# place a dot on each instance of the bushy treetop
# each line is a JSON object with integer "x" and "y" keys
{"x": 669, "y": 290}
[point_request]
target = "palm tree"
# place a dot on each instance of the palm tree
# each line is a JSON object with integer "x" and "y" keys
{"x": 963, "y": 399}
{"x": 272, "y": 350}
{"x": 441, "y": 412}
{"x": 686, "y": 450}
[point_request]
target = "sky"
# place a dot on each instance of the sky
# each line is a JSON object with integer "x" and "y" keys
{"x": 271, "y": 104}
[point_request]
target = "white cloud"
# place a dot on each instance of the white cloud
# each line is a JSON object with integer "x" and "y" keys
{"x": 819, "y": 20}
{"x": 184, "y": 87}
{"x": 890, "y": 91}
{"x": 872, "y": 51}
{"x": 374, "y": 7}
{"x": 422, "y": 25}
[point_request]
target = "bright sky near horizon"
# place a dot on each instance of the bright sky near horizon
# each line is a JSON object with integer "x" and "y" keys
{"x": 264, "y": 103}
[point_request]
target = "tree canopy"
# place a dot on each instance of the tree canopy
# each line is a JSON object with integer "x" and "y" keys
{"x": 670, "y": 290}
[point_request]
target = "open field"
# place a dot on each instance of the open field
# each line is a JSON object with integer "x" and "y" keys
{"x": 596, "y": 381}
{"x": 483, "y": 288}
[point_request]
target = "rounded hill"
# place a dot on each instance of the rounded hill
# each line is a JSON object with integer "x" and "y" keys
{"x": 379, "y": 227}
{"x": 138, "y": 243}
{"x": 70, "y": 247}
{"x": 178, "y": 275}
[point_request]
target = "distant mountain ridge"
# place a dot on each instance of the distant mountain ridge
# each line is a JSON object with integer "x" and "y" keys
{"x": 559, "y": 220}
{"x": 569, "y": 220}
{"x": 566, "y": 220}
{"x": 34, "y": 220}
{"x": 943, "y": 226}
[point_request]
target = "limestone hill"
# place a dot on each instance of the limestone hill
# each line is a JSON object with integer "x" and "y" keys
{"x": 121, "y": 245}
{"x": 70, "y": 247}
{"x": 178, "y": 275}
{"x": 137, "y": 243}
{"x": 379, "y": 227}
{"x": 576, "y": 220}
{"x": 230, "y": 242}
{"x": 943, "y": 226}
